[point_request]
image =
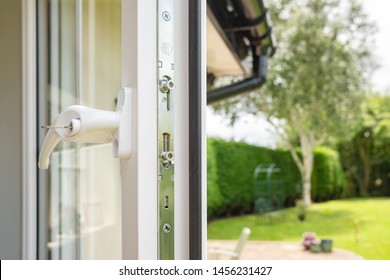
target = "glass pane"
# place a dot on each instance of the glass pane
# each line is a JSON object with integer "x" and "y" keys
{"x": 84, "y": 186}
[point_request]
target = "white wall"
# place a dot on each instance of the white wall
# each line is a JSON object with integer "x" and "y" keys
{"x": 10, "y": 130}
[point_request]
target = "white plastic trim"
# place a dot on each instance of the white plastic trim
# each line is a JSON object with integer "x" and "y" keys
{"x": 29, "y": 78}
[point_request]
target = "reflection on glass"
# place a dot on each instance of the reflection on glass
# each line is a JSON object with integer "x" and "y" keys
{"x": 84, "y": 215}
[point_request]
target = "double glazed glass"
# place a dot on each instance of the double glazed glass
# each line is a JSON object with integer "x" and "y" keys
{"x": 83, "y": 185}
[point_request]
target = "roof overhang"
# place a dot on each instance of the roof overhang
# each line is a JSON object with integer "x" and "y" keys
{"x": 221, "y": 59}
{"x": 239, "y": 42}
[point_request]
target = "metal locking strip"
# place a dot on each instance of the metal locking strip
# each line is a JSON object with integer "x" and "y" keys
{"x": 166, "y": 86}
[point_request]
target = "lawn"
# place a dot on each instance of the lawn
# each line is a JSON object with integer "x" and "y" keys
{"x": 337, "y": 219}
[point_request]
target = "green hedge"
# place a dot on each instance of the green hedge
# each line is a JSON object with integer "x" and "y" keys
{"x": 328, "y": 177}
{"x": 214, "y": 196}
{"x": 230, "y": 175}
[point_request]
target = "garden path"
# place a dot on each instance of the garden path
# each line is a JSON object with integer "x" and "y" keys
{"x": 282, "y": 250}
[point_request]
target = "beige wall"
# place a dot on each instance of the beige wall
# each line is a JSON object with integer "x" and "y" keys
{"x": 10, "y": 130}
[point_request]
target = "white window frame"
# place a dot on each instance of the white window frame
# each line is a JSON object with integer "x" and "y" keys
{"x": 139, "y": 68}
{"x": 29, "y": 168}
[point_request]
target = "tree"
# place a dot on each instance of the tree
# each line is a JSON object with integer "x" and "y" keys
{"x": 317, "y": 77}
{"x": 370, "y": 146}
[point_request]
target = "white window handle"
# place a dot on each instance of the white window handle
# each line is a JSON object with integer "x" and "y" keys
{"x": 88, "y": 125}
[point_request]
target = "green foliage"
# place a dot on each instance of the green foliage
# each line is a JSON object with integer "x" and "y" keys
{"x": 333, "y": 219}
{"x": 317, "y": 76}
{"x": 366, "y": 156}
{"x": 214, "y": 196}
{"x": 230, "y": 175}
{"x": 236, "y": 162}
{"x": 328, "y": 176}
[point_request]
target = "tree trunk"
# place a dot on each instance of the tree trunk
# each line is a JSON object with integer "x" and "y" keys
{"x": 305, "y": 164}
{"x": 366, "y": 178}
{"x": 306, "y": 195}
{"x": 367, "y": 165}
{"x": 307, "y": 145}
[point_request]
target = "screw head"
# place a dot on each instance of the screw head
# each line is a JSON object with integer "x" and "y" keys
{"x": 166, "y": 16}
{"x": 167, "y": 228}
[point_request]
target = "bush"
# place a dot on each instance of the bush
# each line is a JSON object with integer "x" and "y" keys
{"x": 230, "y": 175}
{"x": 236, "y": 162}
{"x": 328, "y": 176}
{"x": 214, "y": 196}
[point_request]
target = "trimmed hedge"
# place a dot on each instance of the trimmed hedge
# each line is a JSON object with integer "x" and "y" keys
{"x": 214, "y": 196}
{"x": 230, "y": 175}
{"x": 328, "y": 176}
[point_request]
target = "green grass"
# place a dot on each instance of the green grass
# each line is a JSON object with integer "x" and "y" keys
{"x": 333, "y": 219}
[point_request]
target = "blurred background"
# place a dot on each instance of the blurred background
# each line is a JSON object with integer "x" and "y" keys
{"x": 304, "y": 156}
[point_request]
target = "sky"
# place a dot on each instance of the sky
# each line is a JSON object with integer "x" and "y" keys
{"x": 256, "y": 131}
{"x": 378, "y": 10}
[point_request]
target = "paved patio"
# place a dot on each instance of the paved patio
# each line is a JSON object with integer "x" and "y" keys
{"x": 280, "y": 250}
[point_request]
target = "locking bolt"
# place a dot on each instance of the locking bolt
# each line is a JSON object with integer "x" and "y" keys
{"x": 167, "y": 155}
{"x": 166, "y": 84}
{"x": 167, "y": 158}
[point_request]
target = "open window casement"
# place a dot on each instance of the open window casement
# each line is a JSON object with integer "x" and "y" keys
{"x": 149, "y": 202}
{"x": 117, "y": 177}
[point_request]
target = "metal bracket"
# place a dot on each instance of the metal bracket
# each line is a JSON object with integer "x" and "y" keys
{"x": 166, "y": 88}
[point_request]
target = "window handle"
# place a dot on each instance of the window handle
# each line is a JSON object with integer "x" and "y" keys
{"x": 83, "y": 124}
